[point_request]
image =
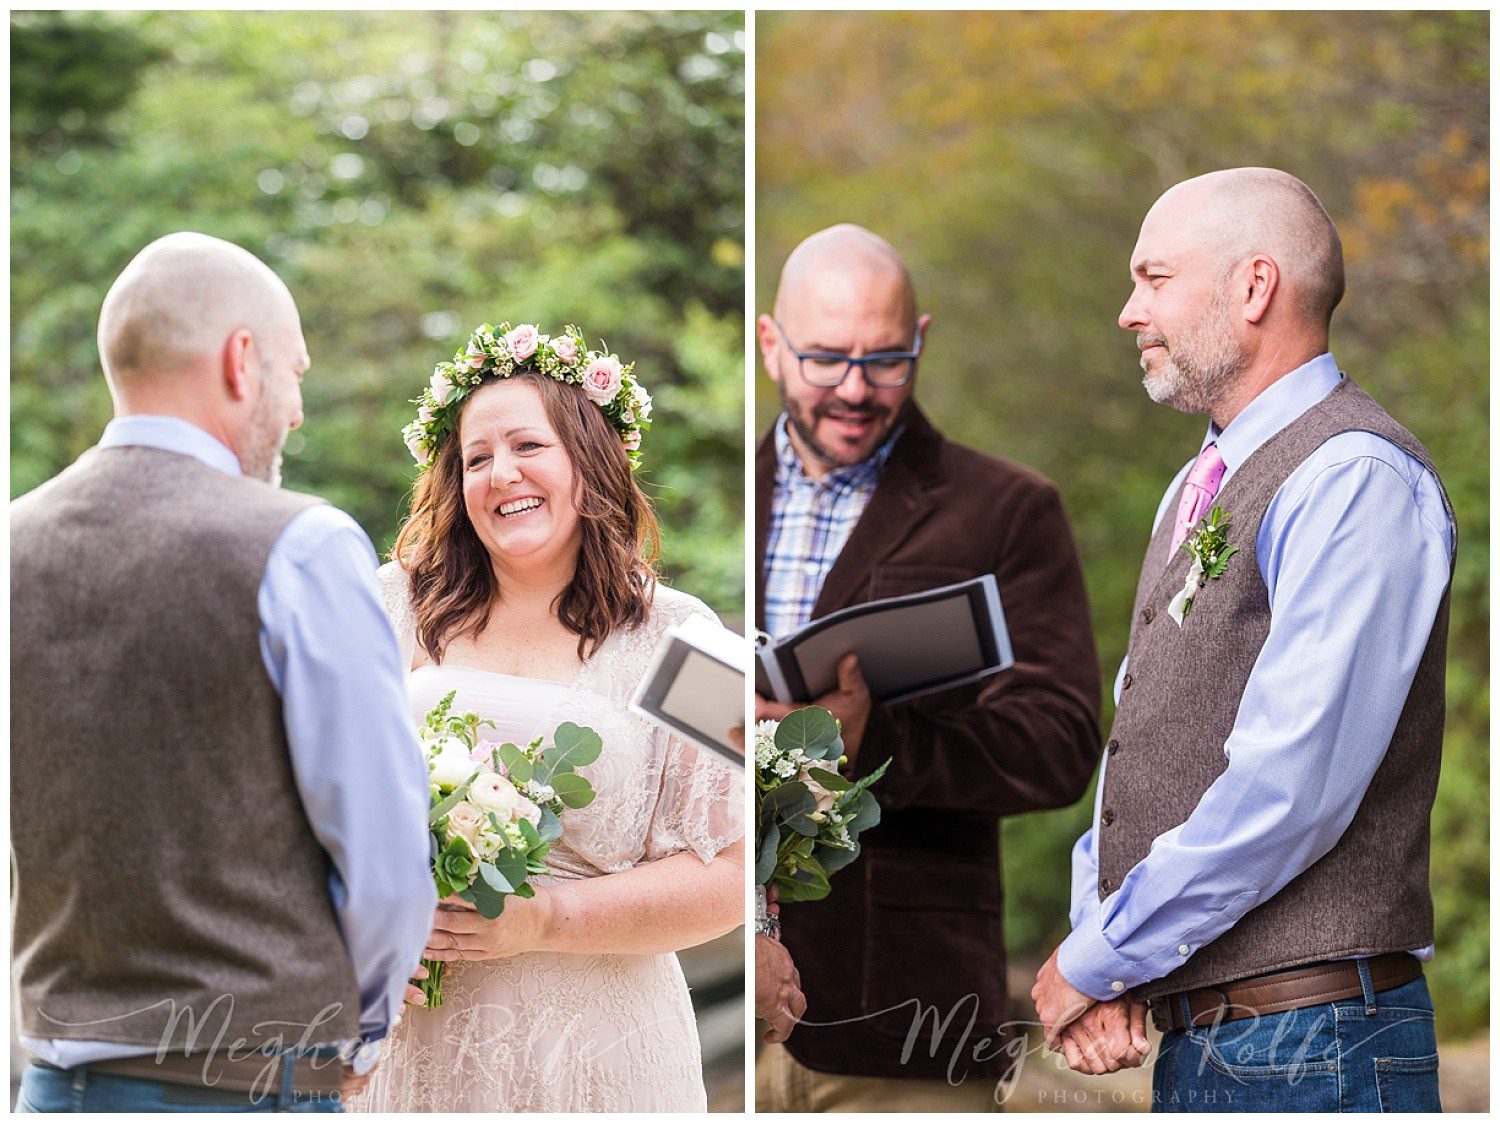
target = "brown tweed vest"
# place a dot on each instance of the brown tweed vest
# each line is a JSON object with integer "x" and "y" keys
{"x": 168, "y": 888}
{"x": 1367, "y": 895}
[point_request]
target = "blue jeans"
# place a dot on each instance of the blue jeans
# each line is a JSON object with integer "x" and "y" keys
{"x": 81, "y": 1089}
{"x": 1377, "y": 1052}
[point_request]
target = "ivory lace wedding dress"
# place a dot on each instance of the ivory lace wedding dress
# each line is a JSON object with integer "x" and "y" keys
{"x": 551, "y": 1032}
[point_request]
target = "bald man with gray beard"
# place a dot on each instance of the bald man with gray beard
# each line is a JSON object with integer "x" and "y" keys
{"x": 1257, "y": 871}
{"x": 218, "y": 805}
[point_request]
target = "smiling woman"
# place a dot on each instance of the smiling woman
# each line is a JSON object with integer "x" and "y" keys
{"x": 524, "y": 582}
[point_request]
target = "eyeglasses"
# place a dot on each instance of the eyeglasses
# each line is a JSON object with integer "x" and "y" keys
{"x": 884, "y": 370}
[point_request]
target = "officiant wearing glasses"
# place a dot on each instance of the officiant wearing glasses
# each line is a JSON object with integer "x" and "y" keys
{"x": 858, "y": 498}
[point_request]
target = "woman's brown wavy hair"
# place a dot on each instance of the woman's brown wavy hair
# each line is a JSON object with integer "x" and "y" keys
{"x": 453, "y": 585}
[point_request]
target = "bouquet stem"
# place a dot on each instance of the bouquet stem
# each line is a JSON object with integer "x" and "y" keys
{"x": 432, "y": 986}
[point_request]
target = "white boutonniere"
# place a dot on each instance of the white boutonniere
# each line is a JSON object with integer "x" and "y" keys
{"x": 1209, "y": 548}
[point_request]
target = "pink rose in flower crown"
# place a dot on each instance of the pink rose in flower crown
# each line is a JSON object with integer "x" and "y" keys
{"x": 475, "y": 356}
{"x": 440, "y": 387}
{"x": 633, "y": 441}
{"x": 424, "y": 414}
{"x": 601, "y": 380}
{"x": 565, "y": 349}
{"x": 521, "y": 340}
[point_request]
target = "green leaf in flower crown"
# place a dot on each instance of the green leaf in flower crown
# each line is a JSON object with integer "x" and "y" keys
{"x": 516, "y": 764}
{"x": 765, "y": 854}
{"x": 572, "y": 747}
{"x": 549, "y": 827}
{"x": 830, "y": 780}
{"x": 573, "y": 790}
{"x": 811, "y": 730}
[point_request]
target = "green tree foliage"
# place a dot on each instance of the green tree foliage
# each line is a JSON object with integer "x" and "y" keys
{"x": 1012, "y": 156}
{"x": 410, "y": 175}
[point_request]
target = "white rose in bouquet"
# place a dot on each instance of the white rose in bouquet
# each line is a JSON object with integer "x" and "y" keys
{"x": 464, "y": 818}
{"x": 497, "y": 794}
{"x": 825, "y": 798}
{"x": 494, "y": 793}
{"x": 448, "y": 763}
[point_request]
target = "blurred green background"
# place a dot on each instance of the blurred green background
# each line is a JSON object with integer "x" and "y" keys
{"x": 409, "y": 175}
{"x": 1011, "y": 157}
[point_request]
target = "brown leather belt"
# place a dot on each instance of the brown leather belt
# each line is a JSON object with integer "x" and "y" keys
{"x": 1282, "y": 990}
{"x": 219, "y": 1072}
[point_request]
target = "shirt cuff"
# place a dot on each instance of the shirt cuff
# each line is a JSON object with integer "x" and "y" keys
{"x": 1092, "y": 966}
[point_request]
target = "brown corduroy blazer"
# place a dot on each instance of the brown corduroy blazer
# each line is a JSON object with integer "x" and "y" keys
{"x": 903, "y": 964}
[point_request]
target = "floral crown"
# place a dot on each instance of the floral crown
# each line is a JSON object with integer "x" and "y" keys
{"x": 504, "y": 351}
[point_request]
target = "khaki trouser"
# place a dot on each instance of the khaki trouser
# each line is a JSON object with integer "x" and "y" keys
{"x": 781, "y": 1084}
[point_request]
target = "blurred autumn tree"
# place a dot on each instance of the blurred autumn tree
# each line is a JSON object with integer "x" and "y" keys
{"x": 409, "y": 175}
{"x": 1011, "y": 157}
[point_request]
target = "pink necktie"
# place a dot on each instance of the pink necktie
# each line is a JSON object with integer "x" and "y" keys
{"x": 1198, "y": 493}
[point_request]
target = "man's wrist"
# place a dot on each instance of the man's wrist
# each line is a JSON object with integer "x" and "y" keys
{"x": 1092, "y": 966}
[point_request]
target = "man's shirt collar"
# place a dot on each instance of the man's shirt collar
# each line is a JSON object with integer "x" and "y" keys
{"x": 170, "y": 434}
{"x": 1276, "y": 407}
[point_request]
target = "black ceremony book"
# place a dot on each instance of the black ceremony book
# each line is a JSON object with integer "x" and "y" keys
{"x": 908, "y": 646}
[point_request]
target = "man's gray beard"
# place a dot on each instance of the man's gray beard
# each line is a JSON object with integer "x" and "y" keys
{"x": 261, "y": 458}
{"x": 1195, "y": 375}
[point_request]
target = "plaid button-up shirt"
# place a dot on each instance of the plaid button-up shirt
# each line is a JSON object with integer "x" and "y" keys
{"x": 810, "y": 522}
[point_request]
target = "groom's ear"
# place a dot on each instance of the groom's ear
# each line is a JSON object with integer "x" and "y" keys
{"x": 240, "y": 365}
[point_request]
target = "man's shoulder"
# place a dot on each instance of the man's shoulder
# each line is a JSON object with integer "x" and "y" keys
{"x": 966, "y": 468}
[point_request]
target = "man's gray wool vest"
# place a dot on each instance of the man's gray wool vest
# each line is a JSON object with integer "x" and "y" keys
{"x": 1367, "y": 895}
{"x": 169, "y": 889}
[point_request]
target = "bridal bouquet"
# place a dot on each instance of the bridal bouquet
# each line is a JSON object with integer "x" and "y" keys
{"x": 495, "y": 810}
{"x": 808, "y": 818}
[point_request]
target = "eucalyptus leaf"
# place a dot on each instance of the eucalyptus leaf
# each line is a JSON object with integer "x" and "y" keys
{"x": 517, "y": 766}
{"x": 811, "y": 730}
{"x": 574, "y": 790}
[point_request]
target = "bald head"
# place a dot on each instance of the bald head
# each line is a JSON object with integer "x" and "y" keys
{"x": 1240, "y": 212}
{"x": 846, "y": 264}
{"x": 173, "y": 307}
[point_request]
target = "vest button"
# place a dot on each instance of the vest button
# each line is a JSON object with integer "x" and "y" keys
{"x": 1113, "y": 746}
{"x": 1107, "y": 816}
{"x": 1147, "y": 615}
{"x": 1125, "y": 682}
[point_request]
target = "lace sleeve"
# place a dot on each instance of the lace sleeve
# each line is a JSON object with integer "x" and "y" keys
{"x": 395, "y": 595}
{"x": 701, "y": 804}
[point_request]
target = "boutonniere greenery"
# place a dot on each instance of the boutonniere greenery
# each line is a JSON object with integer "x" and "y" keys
{"x": 1210, "y": 550}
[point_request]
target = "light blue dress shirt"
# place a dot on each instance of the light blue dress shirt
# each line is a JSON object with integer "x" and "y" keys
{"x": 330, "y": 652}
{"x": 1356, "y": 550}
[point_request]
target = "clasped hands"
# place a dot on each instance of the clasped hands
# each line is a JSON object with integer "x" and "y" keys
{"x": 1094, "y": 1037}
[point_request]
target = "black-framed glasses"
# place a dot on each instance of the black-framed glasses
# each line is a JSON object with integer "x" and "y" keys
{"x": 884, "y": 370}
